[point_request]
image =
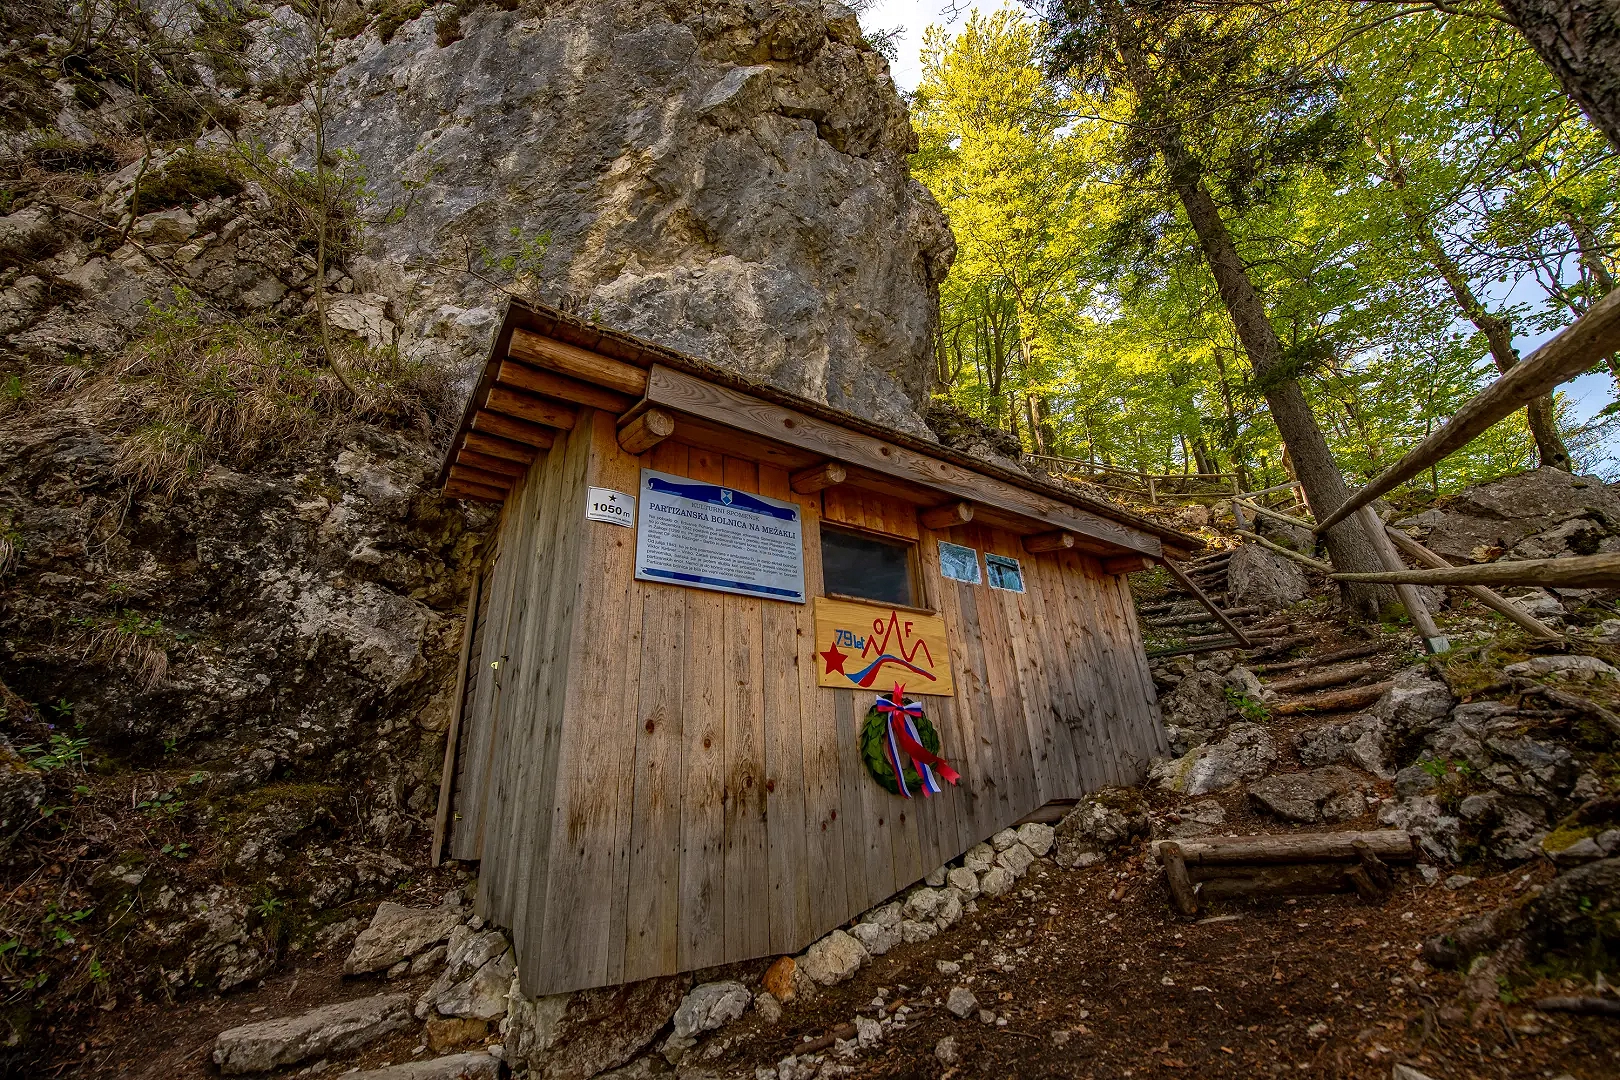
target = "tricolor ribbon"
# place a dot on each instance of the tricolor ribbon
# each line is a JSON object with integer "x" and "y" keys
{"x": 902, "y": 736}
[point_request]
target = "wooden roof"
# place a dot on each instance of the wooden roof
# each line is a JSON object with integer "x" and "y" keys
{"x": 544, "y": 365}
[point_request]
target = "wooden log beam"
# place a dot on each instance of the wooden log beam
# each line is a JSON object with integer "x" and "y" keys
{"x": 552, "y": 385}
{"x": 1303, "y": 560}
{"x": 1050, "y": 541}
{"x": 530, "y": 408}
{"x": 1317, "y": 680}
{"x": 1175, "y": 876}
{"x": 1300, "y": 879}
{"x": 1125, "y": 564}
{"x": 818, "y": 478}
{"x": 1490, "y": 599}
{"x": 495, "y": 446}
{"x": 578, "y": 363}
{"x": 1433, "y": 641}
{"x": 470, "y": 475}
{"x": 1200, "y": 617}
{"x": 1355, "y": 653}
{"x": 1220, "y": 616}
{"x": 462, "y": 489}
{"x": 646, "y": 430}
{"x": 500, "y": 466}
{"x": 513, "y": 430}
{"x": 1577, "y": 572}
{"x": 1339, "y": 700}
{"x": 688, "y": 394}
{"x": 1293, "y": 847}
{"x": 1276, "y": 515}
{"x": 947, "y": 516}
{"x": 1580, "y": 345}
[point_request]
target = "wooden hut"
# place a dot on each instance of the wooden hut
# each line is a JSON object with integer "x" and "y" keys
{"x": 696, "y": 593}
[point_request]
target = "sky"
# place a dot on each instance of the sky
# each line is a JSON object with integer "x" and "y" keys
{"x": 1589, "y": 393}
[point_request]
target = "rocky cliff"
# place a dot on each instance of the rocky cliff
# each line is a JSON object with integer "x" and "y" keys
{"x": 229, "y": 604}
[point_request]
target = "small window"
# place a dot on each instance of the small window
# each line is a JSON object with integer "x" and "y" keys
{"x": 853, "y": 564}
{"x": 1004, "y": 572}
{"x": 958, "y": 563}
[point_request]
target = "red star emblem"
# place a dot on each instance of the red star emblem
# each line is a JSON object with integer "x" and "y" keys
{"x": 835, "y": 660}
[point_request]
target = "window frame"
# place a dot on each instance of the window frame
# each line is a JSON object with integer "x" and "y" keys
{"x": 920, "y": 601}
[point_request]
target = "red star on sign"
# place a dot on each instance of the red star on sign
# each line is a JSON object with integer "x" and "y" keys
{"x": 835, "y": 659}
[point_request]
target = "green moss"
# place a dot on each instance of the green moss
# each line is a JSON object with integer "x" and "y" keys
{"x": 395, "y": 14}
{"x": 1566, "y": 835}
{"x": 189, "y": 178}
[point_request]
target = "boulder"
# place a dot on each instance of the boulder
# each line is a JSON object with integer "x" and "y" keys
{"x": 477, "y": 974}
{"x": 1198, "y": 709}
{"x": 1257, "y": 577}
{"x": 1100, "y": 823}
{"x": 1003, "y": 840}
{"x": 1017, "y": 859}
{"x": 923, "y": 903}
{"x": 22, "y": 789}
{"x": 1361, "y": 741}
{"x": 28, "y": 234}
{"x": 833, "y": 959}
{"x": 1417, "y": 702}
{"x": 710, "y": 1006}
{"x": 398, "y": 933}
{"x": 950, "y": 910}
{"x": 1037, "y": 837}
{"x": 322, "y": 1032}
{"x": 1498, "y": 515}
{"x": 876, "y": 938}
{"x": 1576, "y": 666}
{"x": 578, "y": 1035}
{"x": 1245, "y": 753}
{"x": 964, "y": 881}
{"x": 781, "y": 979}
{"x": 1332, "y": 793}
{"x": 996, "y": 881}
{"x": 913, "y": 931}
{"x": 473, "y": 1066}
{"x": 1435, "y": 831}
{"x": 979, "y": 858}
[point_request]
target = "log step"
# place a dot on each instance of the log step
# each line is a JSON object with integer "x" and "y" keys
{"x": 1356, "y": 697}
{"x": 1292, "y": 847}
{"x": 1337, "y": 676}
{"x": 1355, "y": 653}
{"x": 1201, "y": 617}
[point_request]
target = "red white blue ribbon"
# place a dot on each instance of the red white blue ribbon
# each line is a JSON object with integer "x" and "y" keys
{"x": 901, "y": 735}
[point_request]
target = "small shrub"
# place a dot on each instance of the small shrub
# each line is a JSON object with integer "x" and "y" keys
{"x": 395, "y": 14}
{"x": 54, "y": 152}
{"x": 189, "y": 178}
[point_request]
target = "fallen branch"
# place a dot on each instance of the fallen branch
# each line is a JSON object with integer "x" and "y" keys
{"x": 1594, "y": 334}
{"x": 1331, "y": 677}
{"x": 1276, "y": 515}
{"x": 1577, "y": 702}
{"x": 1354, "y": 698}
{"x": 1421, "y": 554}
{"x": 1304, "y": 560}
{"x": 1579, "y": 572}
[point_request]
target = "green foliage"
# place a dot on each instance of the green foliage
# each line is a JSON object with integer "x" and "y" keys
{"x": 59, "y": 751}
{"x": 1253, "y": 711}
{"x": 188, "y": 178}
{"x": 1081, "y": 316}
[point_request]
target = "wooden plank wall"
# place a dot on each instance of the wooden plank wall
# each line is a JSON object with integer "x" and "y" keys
{"x": 655, "y": 783}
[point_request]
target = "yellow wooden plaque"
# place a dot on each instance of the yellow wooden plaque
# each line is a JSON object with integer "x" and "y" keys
{"x": 874, "y": 646}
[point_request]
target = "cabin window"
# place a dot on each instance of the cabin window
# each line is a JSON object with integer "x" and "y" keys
{"x": 868, "y": 568}
{"x": 1004, "y": 572}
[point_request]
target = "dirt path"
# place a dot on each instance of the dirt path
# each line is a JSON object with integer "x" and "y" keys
{"x": 1093, "y": 986}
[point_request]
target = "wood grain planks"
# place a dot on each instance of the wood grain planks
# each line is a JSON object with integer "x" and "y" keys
{"x": 687, "y": 393}
{"x": 703, "y": 895}
{"x": 747, "y": 871}
{"x": 652, "y": 928}
{"x": 785, "y": 714}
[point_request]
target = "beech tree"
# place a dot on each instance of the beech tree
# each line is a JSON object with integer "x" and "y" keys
{"x": 1579, "y": 40}
{"x": 1189, "y": 73}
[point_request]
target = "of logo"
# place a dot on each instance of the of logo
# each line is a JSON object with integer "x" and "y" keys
{"x": 725, "y": 496}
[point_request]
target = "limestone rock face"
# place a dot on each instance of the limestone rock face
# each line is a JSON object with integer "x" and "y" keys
{"x": 726, "y": 178}
{"x": 398, "y": 933}
{"x": 1491, "y": 518}
{"x": 330, "y": 1029}
{"x": 578, "y": 1035}
{"x": 1259, "y": 578}
{"x": 1245, "y": 754}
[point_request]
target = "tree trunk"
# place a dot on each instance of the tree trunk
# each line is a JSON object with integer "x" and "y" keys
{"x": 1312, "y": 460}
{"x": 1579, "y": 40}
{"x": 1543, "y": 417}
